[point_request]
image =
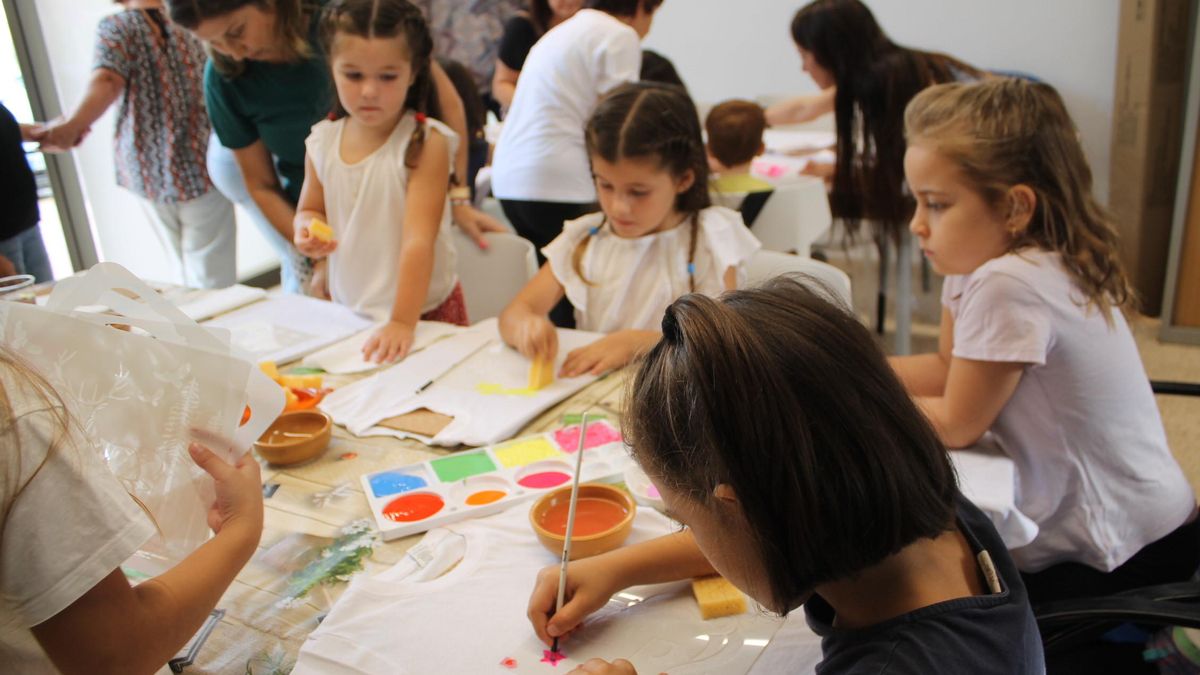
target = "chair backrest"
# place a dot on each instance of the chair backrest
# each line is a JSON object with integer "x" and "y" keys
{"x": 492, "y": 278}
{"x": 765, "y": 264}
{"x": 796, "y": 215}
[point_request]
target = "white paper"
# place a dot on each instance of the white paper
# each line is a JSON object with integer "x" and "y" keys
{"x": 205, "y": 304}
{"x": 285, "y": 327}
{"x": 346, "y": 357}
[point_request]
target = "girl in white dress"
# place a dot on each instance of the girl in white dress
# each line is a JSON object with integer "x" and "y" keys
{"x": 656, "y": 238}
{"x": 379, "y": 176}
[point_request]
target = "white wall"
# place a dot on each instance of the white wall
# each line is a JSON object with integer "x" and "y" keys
{"x": 122, "y": 232}
{"x": 744, "y": 49}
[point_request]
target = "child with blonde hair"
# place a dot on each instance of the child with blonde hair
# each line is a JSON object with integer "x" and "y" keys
{"x": 379, "y": 175}
{"x": 66, "y": 526}
{"x": 656, "y": 237}
{"x": 1034, "y": 345}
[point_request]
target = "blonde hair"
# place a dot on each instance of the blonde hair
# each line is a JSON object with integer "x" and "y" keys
{"x": 1007, "y": 132}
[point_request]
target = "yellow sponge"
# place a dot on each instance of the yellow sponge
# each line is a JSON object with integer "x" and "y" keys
{"x": 541, "y": 373}
{"x": 717, "y": 597}
{"x": 269, "y": 369}
{"x": 301, "y": 381}
{"x": 319, "y": 230}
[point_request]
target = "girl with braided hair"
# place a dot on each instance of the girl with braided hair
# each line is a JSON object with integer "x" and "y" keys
{"x": 656, "y": 237}
{"x": 379, "y": 174}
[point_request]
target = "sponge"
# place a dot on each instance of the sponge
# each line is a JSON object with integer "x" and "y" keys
{"x": 541, "y": 373}
{"x": 717, "y": 597}
{"x": 319, "y": 230}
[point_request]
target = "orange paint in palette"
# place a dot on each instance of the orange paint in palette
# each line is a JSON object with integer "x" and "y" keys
{"x": 592, "y": 516}
{"x": 411, "y": 499}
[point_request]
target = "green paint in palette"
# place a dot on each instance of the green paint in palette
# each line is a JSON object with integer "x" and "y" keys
{"x": 457, "y": 467}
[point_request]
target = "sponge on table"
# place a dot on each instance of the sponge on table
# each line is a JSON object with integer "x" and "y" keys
{"x": 717, "y": 597}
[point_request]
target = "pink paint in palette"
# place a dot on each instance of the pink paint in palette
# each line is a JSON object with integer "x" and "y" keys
{"x": 418, "y": 497}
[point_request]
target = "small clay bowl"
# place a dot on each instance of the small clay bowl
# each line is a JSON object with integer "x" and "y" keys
{"x": 603, "y": 519}
{"x": 295, "y": 437}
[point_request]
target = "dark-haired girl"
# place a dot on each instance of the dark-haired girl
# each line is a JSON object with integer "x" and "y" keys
{"x": 806, "y": 482}
{"x": 656, "y": 237}
{"x": 866, "y": 80}
{"x": 378, "y": 176}
{"x": 265, "y": 86}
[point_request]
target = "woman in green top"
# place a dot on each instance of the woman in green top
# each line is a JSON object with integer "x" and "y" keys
{"x": 266, "y": 84}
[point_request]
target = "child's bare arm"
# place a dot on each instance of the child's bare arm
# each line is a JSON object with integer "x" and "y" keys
{"x": 925, "y": 374}
{"x": 424, "y": 201}
{"x": 116, "y": 628}
{"x": 525, "y": 324}
{"x": 311, "y": 206}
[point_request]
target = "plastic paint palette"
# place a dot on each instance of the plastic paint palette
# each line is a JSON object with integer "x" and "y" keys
{"x": 418, "y": 497}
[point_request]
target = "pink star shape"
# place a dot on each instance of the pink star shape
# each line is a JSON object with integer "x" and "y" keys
{"x": 552, "y": 657}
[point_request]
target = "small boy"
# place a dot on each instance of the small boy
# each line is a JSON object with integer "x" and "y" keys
{"x": 735, "y": 137}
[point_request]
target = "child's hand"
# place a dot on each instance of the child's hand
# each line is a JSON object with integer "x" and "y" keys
{"x": 612, "y": 351}
{"x": 318, "y": 283}
{"x": 311, "y": 246}
{"x": 239, "y": 502}
{"x": 62, "y": 136}
{"x": 390, "y": 343}
{"x": 590, "y": 584}
{"x": 602, "y": 667}
{"x": 536, "y": 336}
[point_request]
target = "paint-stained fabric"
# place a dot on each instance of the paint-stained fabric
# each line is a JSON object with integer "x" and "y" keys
{"x": 162, "y": 128}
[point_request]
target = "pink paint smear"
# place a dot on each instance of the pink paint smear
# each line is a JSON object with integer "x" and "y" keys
{"x": 598, "y": 433}
{"x": 552, "y": 657}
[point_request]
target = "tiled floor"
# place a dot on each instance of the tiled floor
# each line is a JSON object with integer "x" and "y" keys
{"x": 1163, "y": 361}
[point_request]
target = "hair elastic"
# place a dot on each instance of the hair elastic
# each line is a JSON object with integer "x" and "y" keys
{"x": 594, "y": 231}
{"x": 421, "y": 118}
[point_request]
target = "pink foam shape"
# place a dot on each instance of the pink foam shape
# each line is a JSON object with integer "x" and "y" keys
{"x": 552, "y": 657}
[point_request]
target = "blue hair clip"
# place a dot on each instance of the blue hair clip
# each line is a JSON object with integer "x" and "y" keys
{"x": 691, "y": 269}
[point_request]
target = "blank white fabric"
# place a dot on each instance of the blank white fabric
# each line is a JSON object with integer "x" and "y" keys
{"x": 634, "y": 280}
{"x": 364, "y": 204}
{"x": 541, "y": 155}
{"x": 1093, "y": 467}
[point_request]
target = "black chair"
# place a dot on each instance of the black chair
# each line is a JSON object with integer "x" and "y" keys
{"x": 1071, "y": 629}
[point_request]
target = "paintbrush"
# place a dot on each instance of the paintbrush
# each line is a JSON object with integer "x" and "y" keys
{"x": 566, "y": 554}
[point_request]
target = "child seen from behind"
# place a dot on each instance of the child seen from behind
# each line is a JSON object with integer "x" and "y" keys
{"x": 805, "y": 482}
{"x": 379, "y": 176}
{"x": 656, "y": 237}
{"x": 1034, "y": 345}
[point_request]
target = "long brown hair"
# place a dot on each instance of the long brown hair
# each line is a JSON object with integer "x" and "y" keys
{"x": 649, "y": 120}
{"x": 834, "y": 468}
{"x": 399, "y": 19}
{"x": 1008, "y": 132}
{"x": 875, "y": 79}
{"x": 293, "y": 19}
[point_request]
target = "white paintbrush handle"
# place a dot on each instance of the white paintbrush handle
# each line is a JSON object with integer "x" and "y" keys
{"x": 566, "y": 554}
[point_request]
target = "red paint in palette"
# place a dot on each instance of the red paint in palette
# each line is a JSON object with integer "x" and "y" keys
{"x": 544, "y": 479}
{"x": 414, "y": 507}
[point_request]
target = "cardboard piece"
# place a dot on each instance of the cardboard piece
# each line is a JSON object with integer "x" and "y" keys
{"x": 423, "y": 422}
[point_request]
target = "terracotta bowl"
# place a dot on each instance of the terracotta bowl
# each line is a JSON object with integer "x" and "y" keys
{"x": 295, "y": 437}
{"x": 603, "y": 519}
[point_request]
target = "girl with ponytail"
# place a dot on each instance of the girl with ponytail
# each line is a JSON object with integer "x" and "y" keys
{"x": 378, "y": 174}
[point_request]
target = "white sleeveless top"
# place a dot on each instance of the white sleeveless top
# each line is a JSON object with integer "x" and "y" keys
{"x": 364, "y": 204}
{"x": 632, "y": 281}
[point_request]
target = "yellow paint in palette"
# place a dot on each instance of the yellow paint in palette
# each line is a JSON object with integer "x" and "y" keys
{"x": 541, "y": 373}
{"x": 527, "y": 451}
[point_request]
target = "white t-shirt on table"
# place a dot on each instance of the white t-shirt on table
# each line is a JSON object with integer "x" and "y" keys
{"x": 1093, "y": 467}
{"x": 541, "y": 155}
{"x": 633, "y": 281}
{"x": 68, "y": 528}
{"x": 364, "y": 204}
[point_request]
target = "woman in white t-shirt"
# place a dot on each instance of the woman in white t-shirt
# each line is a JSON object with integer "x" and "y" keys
{"x": 540, "y": 169}
{"x": 66, "y": 525}
{"x": 1034, "y": 346}
{"x": 657, "y": 237}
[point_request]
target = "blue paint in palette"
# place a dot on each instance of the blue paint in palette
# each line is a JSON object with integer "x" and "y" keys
{"x": 392, "y": 483}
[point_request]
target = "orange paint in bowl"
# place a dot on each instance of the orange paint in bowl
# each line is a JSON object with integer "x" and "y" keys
{"x": 485, "y": 497}
{"x": 592, "y": 515}
{"x": 414, "y": 507}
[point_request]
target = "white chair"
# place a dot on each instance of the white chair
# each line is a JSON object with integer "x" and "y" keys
{"x": 492, "y": 278}
{"x": 764, "y": 265}
{"x": 795, "y": 215}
